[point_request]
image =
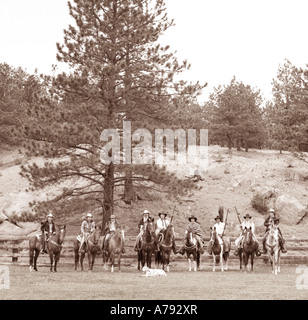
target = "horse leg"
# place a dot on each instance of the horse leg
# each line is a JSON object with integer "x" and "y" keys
{"x": 31, "y": 254}
{"x": 119, "y": 260}
{"x": 251, "y": 260}
{"x": 241, "y": 258}
{"x": 226, "y": 258}
{"x": 57, "y": 258}
{"x": 51, "y": 260}
{"x": 221, "y": 260}
{"x": 112, "y": 258}
{"x": 36, "y": 254}
{"x": 189, "y": 264}
{"x": 82, "y": 255}
{"x": 278, "y": 262}
{"x": 89, "y": 260}
{"x": 195, "y": 261}
{"x": 214, "y": 262}
{"x": 76, "y": 259}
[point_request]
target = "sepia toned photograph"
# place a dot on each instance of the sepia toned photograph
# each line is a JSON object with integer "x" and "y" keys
{"x": 153, "y": 153}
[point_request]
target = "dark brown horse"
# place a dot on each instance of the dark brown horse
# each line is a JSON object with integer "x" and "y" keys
{"x": 219, "y": 253}
{"x": 115, "y": 247}
{"x": 92, "y": 248}
{"x": 191, "y": 247}
{"x": 163, "y": 255}
{"x": 35, "y": 246}
{"x": 54, "y": 246}
{"x": 249, "y": 248}
{"x": 147, "y": 246}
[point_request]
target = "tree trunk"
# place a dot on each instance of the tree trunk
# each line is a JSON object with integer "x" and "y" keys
{"x": 108, "y": 193}
{"x": 129, "y": 192}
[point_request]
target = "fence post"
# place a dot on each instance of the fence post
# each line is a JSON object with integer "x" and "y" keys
{"x": 15, "y": 254}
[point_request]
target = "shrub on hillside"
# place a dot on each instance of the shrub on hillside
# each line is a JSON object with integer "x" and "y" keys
{"x": 259, "y": 203}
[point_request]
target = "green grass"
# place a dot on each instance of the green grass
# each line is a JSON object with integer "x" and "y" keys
{"x": 130, "y": 285}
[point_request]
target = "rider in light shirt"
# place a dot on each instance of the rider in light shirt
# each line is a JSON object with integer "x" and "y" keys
{"x": 247, "y": 223}
{"x": 87, "y": 227}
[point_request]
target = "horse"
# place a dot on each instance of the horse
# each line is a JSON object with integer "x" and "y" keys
{"x": 273, "y": 248}
{"x": 92, "y": 248}
{"x": 191, "y": 248}
{"x": 163, "y": 256}
{"x": 115, "y": 247}
{"x": 35, "y": 246}
{"x": 54, "y": 246}
{"x": 249, "y": 248}
{"x": 219, "y": 253}
{"x": 147, "y": 246}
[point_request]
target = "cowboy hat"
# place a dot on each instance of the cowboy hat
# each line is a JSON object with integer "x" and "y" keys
{"x": 218, "y": 217}
{"x": 164, "y": 213}
{"x": 49, "y": 215}
{"x": 146, "y": 212}
{"x": 112, "y": 216}
{"x": 272, "y": 211}
{"x": 89, "y": 215}
{"x": 247, "y": 216}
{"x": 192, "y": 217}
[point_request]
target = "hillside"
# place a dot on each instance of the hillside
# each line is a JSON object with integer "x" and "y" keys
{"x": 230, "y": 180}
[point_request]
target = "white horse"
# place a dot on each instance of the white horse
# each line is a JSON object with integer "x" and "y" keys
{"x": 273, "y": 249}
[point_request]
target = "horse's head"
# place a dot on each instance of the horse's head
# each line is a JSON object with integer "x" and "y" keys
{"x": 273, "y": 232}
{"x": 96, "y": 235}
{"x": 169, "y": 231}
{"x": 248, "y": 235}
{"x": 190, "y": 238}
{"x": 150, "y": 228}
{"x": 121, "y": 232}
{"x": 213, "y": 234}
{"x": 62, "y": 233}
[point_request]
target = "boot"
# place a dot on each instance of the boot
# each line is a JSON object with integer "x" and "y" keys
{"x": 282, "y": 246}
{"x": 175, "y": 251}
{"x": 264, "y": 247}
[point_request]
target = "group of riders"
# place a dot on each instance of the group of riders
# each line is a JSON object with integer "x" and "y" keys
{"x": 88, "y": 227}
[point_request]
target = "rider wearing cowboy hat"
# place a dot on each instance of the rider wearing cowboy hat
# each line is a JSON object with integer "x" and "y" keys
{"x": 110, "y": 228}
{"x": 47, "y": 227}
{"x": 87, "y": 227}
{"x": 195, "y": 228}
{"x": 161, "y": 224}
{"x": 145, "y": 218}
{"x": 247, "y": 223}
{"x": 273, "y": 218}
{"x": 220, "y": 228}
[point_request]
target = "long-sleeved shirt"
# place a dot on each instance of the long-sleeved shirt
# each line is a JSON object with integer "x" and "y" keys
{"x": 87, "y": 227}
{"x": 220, "y": 227}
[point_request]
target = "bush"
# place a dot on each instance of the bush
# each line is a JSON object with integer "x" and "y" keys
{"x": 259, "y": 203}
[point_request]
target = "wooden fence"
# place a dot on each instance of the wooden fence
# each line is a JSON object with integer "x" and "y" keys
{"x": 15, "y": 251}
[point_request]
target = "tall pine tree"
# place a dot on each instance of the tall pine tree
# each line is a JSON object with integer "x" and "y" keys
{"x": 119, "y": 72}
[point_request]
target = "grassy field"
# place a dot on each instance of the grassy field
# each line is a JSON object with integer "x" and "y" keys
{"x": 130, "y": 285}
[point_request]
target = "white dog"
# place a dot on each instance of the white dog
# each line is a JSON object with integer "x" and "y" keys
{"x": 153, "y": 272}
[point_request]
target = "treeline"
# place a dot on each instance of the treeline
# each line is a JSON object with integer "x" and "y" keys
{"x": 235, "y": 114}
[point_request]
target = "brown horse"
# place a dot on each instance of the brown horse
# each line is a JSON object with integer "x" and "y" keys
{"x": 191, "y": 247}
{"x": 115, "y": 247}
{"x": 147, "y": 246}
{"x": 163, "y": 256}
{"x": 92, "y": 248}
{"x": 219, "y": 253}
{"x": 35, "y": 246}
{"x": 249, "y": 248}
{"x": 54, "y": 246}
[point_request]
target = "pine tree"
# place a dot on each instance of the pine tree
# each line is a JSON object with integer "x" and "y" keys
{"x": 287, "y": 116}
{"x": 119, "y": 72}
{"x": 235, "y": 116}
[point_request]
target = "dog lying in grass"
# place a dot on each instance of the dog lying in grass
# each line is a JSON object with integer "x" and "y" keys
{"x": 153, "y": 272}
